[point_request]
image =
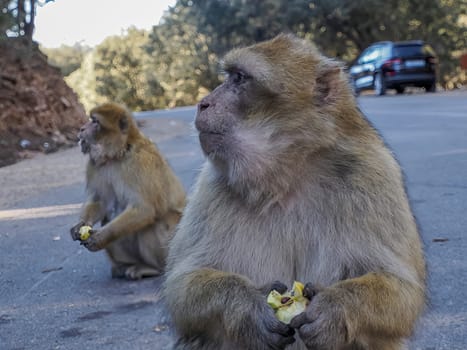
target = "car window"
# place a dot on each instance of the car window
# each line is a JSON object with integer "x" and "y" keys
{"x": 407, "y": 50}
{"x": 386, "y": 51}
{"x": 370, "y": 55}
{"x": 361, "y": 59}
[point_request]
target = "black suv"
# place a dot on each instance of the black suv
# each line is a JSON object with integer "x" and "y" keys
{"x": 395, "y": 65}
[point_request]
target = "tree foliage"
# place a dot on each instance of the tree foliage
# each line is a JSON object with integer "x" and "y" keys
{"x": 233, "y": 23}
{"x": 119, "y": 69}
{"x": 66, "y": 58}
{"x": 186, "y": 66}
{"x": 7, "y": 19}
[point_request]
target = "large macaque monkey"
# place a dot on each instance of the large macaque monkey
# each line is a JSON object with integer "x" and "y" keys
{"x": 131, "y": 190}
{"x": 297, "y": 186}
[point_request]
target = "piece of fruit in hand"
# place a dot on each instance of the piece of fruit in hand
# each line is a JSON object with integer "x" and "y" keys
{"x": 288, "y": 305}
{"x": 84, "y": 232}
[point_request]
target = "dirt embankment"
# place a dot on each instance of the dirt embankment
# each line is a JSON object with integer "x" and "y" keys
{"x": 38, "y": 111}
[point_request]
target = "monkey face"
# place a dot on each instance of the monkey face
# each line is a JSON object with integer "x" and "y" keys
{"x": 226, "y": 112}
{"x": 279, "y": 103}
{"x": 108, "y": 134}
{"x": 218, "y": 113}
{"x": 88, "y": 134}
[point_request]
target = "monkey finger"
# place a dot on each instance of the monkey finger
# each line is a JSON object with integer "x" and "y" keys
{"x": 91, "y": 244}
{"x": 273, "y": 325}
{"x": 311, "y": 290}
{"x": 279, "y": 342}
{"x": 276, "y": 285}
{"x": 74, "y": 231}
{"x": 285, "y": 330}
{"x": 309, "y": 335}
{"x": 299, "y": 320}
{"x": 279, "y": 286}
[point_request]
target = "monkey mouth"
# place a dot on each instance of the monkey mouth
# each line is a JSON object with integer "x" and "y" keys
{"x": 211, "y": 142}
{"x": 85, "y": 147}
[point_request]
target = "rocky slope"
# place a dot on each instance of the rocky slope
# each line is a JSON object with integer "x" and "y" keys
{"x": 38, "y": 111}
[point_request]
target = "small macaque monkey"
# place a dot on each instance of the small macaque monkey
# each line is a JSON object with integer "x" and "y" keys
{"x": 297, "y": 186}
{"x": 131, "y": 190}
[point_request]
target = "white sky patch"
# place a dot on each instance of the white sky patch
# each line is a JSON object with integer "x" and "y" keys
{"x": 91, "y": 21}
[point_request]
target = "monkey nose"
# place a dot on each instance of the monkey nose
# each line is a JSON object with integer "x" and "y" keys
{"x": 202, "y": 106}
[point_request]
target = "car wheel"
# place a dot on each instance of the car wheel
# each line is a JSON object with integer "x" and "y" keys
{"x": 400, "y": 89}
{"x": 379, "y": 84}
{"x": 431, "y": 87}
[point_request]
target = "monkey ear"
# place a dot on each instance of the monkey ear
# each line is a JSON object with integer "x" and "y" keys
{"x": 123, "y": 124}
{"x": 328, "y": 82}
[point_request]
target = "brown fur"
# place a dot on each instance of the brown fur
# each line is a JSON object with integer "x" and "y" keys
{"x": 297, "y": 186}
{"x": 131, "y": 190}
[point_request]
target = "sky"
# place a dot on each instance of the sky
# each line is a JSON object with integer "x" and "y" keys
{"x": 91, "y": 21}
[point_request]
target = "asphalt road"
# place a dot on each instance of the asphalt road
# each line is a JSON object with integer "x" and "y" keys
{"x": 56, "y": 295}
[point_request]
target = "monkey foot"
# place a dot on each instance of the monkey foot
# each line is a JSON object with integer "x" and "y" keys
{"x": 134, "y": 272}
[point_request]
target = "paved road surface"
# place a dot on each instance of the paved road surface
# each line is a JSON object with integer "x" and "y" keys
{"x": 56, "y": 295}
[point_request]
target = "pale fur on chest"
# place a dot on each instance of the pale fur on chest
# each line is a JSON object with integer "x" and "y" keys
{"x": 108, "y": 186}
{"x": 275, "y": 245}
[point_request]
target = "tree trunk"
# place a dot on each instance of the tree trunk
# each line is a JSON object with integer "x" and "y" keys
{"x": 29, "y": 25}
{"x": 20, "y": 17}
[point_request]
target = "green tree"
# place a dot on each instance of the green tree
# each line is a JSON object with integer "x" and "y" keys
{"x": 67, "y": 58}
{"x": 7, "y": 19}
{"x": 182, "y": 59}
{"x": 83, "y": 82}
{"x": 232, "y": 23}
{"x": 123, "y": 72}
{"x": 119, "y": 69}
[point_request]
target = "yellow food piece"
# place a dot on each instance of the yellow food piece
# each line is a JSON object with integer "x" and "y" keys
{"x": 274, "y": 299}
{"x": 298, "y": 288}
{"x": 288, "y": 305}
{"x": 285, "y": 314}
{"x": 85, "y": 232}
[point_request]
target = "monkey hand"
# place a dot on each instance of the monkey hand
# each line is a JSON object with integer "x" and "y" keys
{"x": 276, "y": 285}
{"x": 267, "y": 332}
{"x": 94, "y": 242}
{"x": 74, "y": 231}
{"x": 323, "y": 325}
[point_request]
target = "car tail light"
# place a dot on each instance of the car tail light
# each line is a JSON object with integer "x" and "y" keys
{"x": 389, "y": 64}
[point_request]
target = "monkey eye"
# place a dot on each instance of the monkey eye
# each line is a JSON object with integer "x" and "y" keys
{"x": 238, "y": 77}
